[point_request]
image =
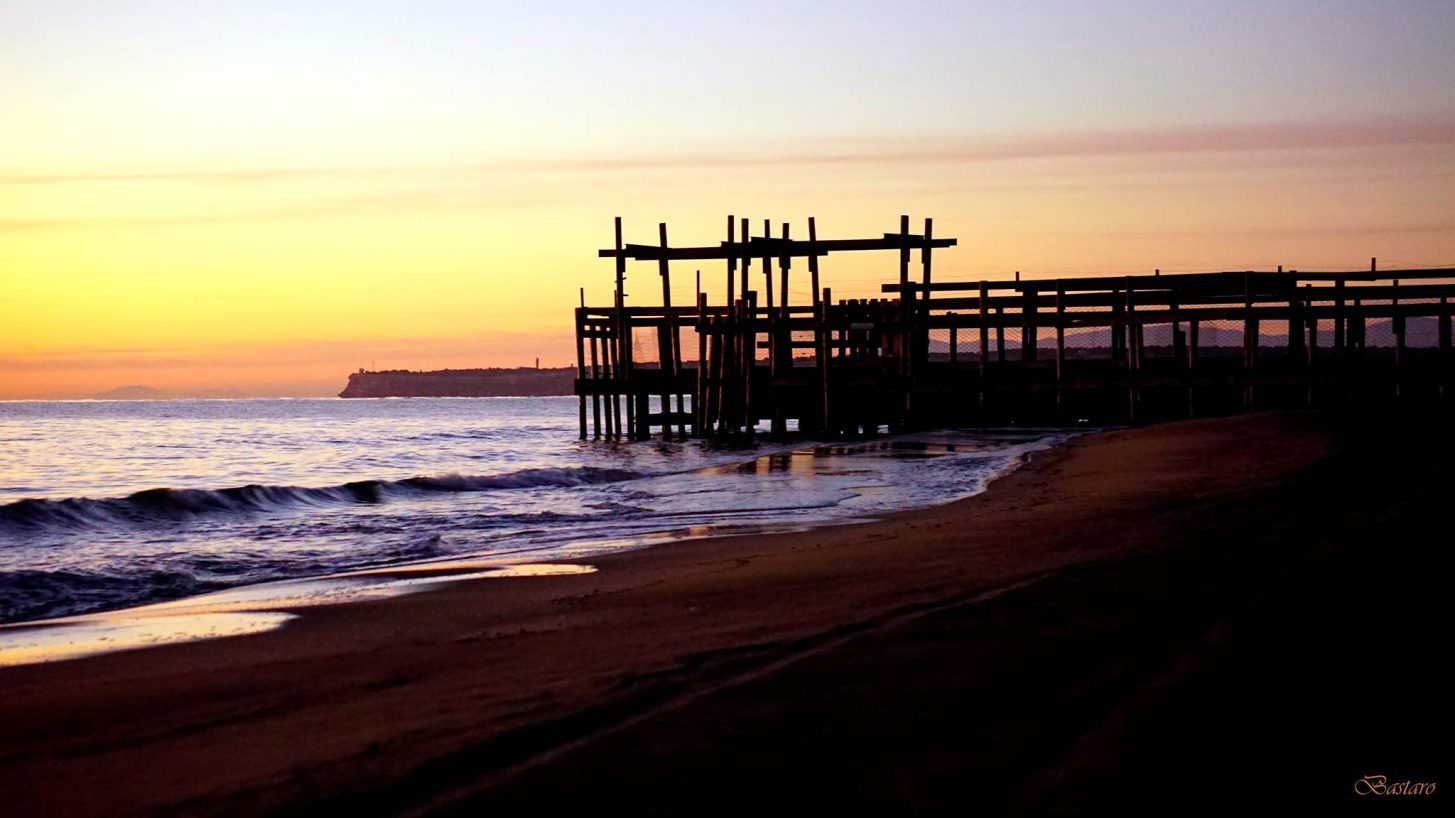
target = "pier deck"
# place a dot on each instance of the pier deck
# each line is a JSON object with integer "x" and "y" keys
{"x": 935, "y": 353}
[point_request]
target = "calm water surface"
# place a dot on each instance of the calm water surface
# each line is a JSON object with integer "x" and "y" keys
{"x": 106, "y": 504}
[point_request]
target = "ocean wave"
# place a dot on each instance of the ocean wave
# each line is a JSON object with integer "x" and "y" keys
{"x": 172, "y": 504}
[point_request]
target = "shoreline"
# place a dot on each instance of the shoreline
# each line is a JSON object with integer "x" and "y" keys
{"x": 94, "y": 630}
{"x": 477, "y": 693}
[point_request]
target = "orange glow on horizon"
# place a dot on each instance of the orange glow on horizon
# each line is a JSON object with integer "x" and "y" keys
{"x": 196, "y": 286}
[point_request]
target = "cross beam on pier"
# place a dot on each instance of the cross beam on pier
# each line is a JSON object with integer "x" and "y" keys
{"x": 760, "y": 246}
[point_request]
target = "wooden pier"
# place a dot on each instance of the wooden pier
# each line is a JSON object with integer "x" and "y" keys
{"x": 928, "y": 353}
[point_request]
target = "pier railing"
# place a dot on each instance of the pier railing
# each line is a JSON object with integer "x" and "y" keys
{"x": 934, "y": 353}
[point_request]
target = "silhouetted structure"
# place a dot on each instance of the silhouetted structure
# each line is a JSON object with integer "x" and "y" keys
{"x": 1097, "y": 348}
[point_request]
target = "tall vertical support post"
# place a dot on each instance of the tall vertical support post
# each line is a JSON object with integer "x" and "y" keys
{"x": 1060, "y": 346}
{"x": 1311, "y": 349}
{"x": 749, "y": 343}
{"x": 1250, "y": 340}
{"x": 666, "y": 337}
{"x": 1444, "y": 379}
{"x": 785, "y": 340}
{"x": 1397, "y": 322}
{"x": 624, "y": 340}
{"x": 780, "y": 343}
{"x": 1118, "y": 327}
{"x": 768, "y": 267}
{"x": 732, "y": 262}
{"x": 1192, "y": 341}
{"x": 747, "y": 259}
{"x": 1000, "y": 335}
{"x": 580, "y": 360}
{"x": 1340, "y": 338}
{"x": 906, "y": 326}
{"x": 1295, "y": 323}
{"x": 922, "y": 338}
{"x": 826, "y": 355}
{"x": 954, "y": 350}
{"x": 813, "y": 259}
{"x": 699, "y": 400}
{"x": 984, "y": 342}
{"x": 1134, "y": 363}
{"x": 596, "y": 341}
{"x": 1029, "y": 329}
{"x": 714, "y": 419}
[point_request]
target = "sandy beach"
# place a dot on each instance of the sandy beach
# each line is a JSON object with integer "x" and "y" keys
{"x": 1184, "y": 615}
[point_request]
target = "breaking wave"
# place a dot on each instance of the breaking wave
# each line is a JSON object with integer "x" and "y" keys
{"x": 171, "y": 505}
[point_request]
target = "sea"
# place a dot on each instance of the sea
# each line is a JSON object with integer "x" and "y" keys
{"x": 106, "y": 505}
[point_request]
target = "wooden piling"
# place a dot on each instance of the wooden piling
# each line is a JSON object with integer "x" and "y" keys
{"x": 872, "y": 364}
{"x": 581, "y": 360}
{"x": 984, "y": 343}
{"x": 813, "y": 260}
{"x": 1060, "y": 347}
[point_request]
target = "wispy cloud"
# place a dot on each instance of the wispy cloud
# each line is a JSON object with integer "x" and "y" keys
{"x": 1206, "y": 139}
{"x": 451, "y": 197}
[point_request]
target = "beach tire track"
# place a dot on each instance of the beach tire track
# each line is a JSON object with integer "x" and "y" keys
{"x": 452, "y": 780}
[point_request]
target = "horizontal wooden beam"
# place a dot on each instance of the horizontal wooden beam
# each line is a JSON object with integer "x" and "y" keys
{"x": 775, "y": 247}
{"x": 1173, "y": 282}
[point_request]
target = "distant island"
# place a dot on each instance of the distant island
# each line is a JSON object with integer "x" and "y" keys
{"x": 460, "y": 383}
{"x": 134, "y": 392}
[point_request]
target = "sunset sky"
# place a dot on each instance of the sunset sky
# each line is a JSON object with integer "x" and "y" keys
{"x": 257, "y": 198}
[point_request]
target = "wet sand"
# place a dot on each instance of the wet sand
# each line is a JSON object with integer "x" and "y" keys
{"x": 1214, "y": 612}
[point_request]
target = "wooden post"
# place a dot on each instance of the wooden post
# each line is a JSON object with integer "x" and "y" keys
{"x": 699, "y": 401}
{"x": 1000, "y": 334}
{"x": 954, "y": 350}
{"x": 580, "y": 359}
{"x": 1118, "y": 326}
{"x": 1133, "y": 349}
{"x": 1029, "y": 330}
{"x": 1397, "y": 324}
{"x": 1192, "y": 340}
{"x": 1444, "y": 354}
{"x": 1250, "y": 340}
{"x": 784, "y": 263}
{"x": 1444, "y": 329}
{"x": 750, "y": 358}
{"x": 732, "y": 262}
{"x": 825, "y": 337}
{"x": 813, "y": 260}
{"x": 780, "y": 343}
{"x": 1340, "y": 339}
{"x": 666, "y": 338}
{"x": 732, "y": 359}
{"x": 1060, "y": 345}
{"x": 767, "y": 268}
{"x": 922, "y": 338}
{"x": 1311, "y": 349}
{"x": 747, "y": 259}
{"x": 714, "y": 418}
{"x": 785, "y": 339}
{"x": 609, "y": 378}
{"x": 984, "y": 341}
{"x": 1295, "y": 324}
{"x": 906, "y": 324}
{"x": 596, "y": 340}
{"x": 624, "y": 340}
{"x": 1179, "y": 342}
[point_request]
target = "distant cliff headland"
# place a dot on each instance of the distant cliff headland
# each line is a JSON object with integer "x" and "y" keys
{"x": 460, "y": 383}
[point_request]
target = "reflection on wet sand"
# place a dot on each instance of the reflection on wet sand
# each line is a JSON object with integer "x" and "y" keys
{"x": 809, "y": 461}
{"x": 240, "y": 611}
